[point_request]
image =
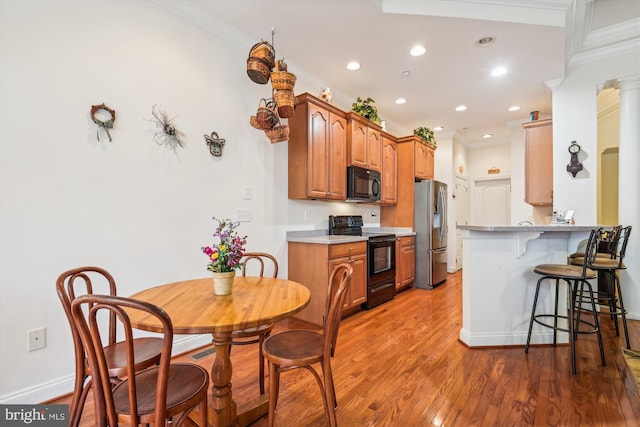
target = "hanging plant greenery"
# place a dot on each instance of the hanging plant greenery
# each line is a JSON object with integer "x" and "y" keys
{"x": 426, "y": 134}
{"x": 366, "y": 109}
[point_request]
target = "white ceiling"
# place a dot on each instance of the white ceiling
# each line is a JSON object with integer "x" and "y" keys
{"x": 319, "y": 37}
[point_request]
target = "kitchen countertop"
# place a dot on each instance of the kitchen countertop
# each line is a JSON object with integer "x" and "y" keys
{"x": 322, "y": 236}
{"x": 532, "y": 228}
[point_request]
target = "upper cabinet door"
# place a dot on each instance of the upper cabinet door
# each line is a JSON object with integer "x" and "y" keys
{"x": 420, "y": 161}
{"x": 374, "y": 149}
{"x": 358, "y": 144}
{"x": 389, "y": 172}
{"x": 318, "y": 159}
{"x": 539, "y": 162}
{"x": 338, "y": 157}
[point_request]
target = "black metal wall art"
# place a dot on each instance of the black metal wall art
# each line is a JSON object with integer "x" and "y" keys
{"x": 215, "y": 144}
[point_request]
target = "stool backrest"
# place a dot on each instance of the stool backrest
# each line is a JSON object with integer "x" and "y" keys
{"x": 624, "y": 238}
{"x": 591, "y": 249}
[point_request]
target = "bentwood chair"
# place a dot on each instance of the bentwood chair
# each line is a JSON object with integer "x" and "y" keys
{"x": 89, "y": 280}
{"x": 577, "y": 279}
{"x": 256, "y": 335}
{"x": 609, "y": 293}
{"x": 293, "y": 349}
{"x": 160, "y": 395}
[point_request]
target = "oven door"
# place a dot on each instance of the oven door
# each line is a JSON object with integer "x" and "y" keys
{"x": 382, "y": 257}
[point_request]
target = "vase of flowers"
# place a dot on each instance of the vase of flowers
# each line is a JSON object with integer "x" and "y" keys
{"x": 225, "y": 256}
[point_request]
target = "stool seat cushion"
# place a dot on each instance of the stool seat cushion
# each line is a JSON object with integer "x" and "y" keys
{"x": 601, "y": 263}
{"x": 562, "y": 271}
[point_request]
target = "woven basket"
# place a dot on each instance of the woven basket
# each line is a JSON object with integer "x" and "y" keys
{"x": 278, "y": 134}
{"x": 284, "y": 100}
{"x": 263, "y": 50}
{"x": 254, "y": 122}
{"x": 281, "y": 79}
{"x": 258, "y": 70}
{"x": 266, "y": 116}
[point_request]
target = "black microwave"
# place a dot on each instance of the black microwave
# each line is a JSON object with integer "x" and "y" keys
{"x": 363, "y": 185}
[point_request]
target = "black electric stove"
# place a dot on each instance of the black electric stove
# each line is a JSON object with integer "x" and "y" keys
{"x": 381, "y": 257}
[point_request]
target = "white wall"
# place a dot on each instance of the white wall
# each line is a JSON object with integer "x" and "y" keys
{"x": 138, "y": 209}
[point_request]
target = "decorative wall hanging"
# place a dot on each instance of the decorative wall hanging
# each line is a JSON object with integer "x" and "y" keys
{"x": 215, "y": 144}
{"x": 168, "y": 134}
{"x": 103, "y": 124}
{"x": 574, "y": 165}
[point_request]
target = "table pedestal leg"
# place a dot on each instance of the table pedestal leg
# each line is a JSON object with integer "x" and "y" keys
{"x": 222, "y": 408}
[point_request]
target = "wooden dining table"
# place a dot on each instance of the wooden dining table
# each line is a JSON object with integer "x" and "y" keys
{"x": 195, "y": 309}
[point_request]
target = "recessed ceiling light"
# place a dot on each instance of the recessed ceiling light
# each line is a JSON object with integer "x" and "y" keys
{"x": 514, "y": 108}
{"x": 498, "y": 71}
{"x": 485, "y": 41}
{"x": 353, "y": 65}
{"x": 438, "y": 128}
{"x": 417, "y": 51}
{"x": 487, "y": 135}
{"x": 400, "y": 101}
{"x": 406, "y": 73}
{"x": 461, "y": 107}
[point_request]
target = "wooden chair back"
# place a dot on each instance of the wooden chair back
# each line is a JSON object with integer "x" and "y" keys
{"x": 85, "y": 311}
{"x": 339, "y": 284}
{"x": 263, "y": 259}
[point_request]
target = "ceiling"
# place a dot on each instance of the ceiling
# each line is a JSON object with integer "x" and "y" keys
{"x": 317, "y": 38}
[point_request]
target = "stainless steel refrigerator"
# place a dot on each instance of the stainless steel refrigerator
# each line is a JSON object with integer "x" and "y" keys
{"x": 430, "y": 221}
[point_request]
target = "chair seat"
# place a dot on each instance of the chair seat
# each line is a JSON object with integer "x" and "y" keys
{"x": 294, "y": 347}
{"x": 601, "y": 264}
{"x": 147, "y": 353}
{"x": 186, "y": 380}
{"x": 562, "y": 271}
{"x": 252, "y": 332}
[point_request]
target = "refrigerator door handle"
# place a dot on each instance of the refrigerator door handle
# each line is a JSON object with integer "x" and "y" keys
{"x": 443, "y": 212}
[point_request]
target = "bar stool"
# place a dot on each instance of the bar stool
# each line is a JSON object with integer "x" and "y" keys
{"x": 609, "y": 291}
{"x": 576, "y": 277}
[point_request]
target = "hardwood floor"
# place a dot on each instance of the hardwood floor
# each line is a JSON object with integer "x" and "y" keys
{"x": 401, "y": 364}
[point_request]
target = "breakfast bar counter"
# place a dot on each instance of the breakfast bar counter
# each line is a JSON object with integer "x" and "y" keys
{"x": 498, "y": 282}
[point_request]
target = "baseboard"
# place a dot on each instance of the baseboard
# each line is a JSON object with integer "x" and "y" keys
{"x": 54, "y": 389}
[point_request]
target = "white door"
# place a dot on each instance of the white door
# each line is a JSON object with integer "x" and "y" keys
{"x": 492, "y": 202}
{"x": 461, "y": 201}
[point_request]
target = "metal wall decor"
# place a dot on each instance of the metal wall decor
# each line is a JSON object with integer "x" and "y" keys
{"x": 103, "y": 124}
{"x": 168, "y": 134}
{"x": 215, "y": 144}
{"x": 574, "y": 165}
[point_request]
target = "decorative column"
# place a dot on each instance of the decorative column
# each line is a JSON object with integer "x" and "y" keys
{"x": 629, "y": 188}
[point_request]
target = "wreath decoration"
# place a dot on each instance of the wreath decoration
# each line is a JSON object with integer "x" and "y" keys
{"x": 103, "y": 124}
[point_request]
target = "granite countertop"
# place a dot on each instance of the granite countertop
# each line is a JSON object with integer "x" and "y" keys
{"x": 323, "y": 236}
{"x": 531, "y": 228}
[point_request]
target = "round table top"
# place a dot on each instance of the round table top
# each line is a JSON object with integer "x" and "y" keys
{"x": 195, "y": 309}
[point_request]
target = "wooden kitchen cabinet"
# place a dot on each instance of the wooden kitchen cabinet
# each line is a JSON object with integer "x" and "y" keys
{"x": 405, "y": 261}
{"x": 311, "y": 264}
{"x": 317, "y": 150}
{"x": 389, "y": 195}
{"x": 415, "y": 163}
{"x": 364, "y": 143}
{"x": 538, "y": 162}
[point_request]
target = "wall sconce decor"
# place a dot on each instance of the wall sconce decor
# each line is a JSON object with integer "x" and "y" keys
{"x": 574, "y": 165}
{"x": 493, "y": 170}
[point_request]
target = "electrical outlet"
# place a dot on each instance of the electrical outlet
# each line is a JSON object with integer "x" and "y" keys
{"x": 36, "y": 339}
{"x": 306, "y": 215}
{"x": 243, "y": 215}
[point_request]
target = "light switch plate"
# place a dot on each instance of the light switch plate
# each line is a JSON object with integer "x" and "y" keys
{"x": 243, "y": 215}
